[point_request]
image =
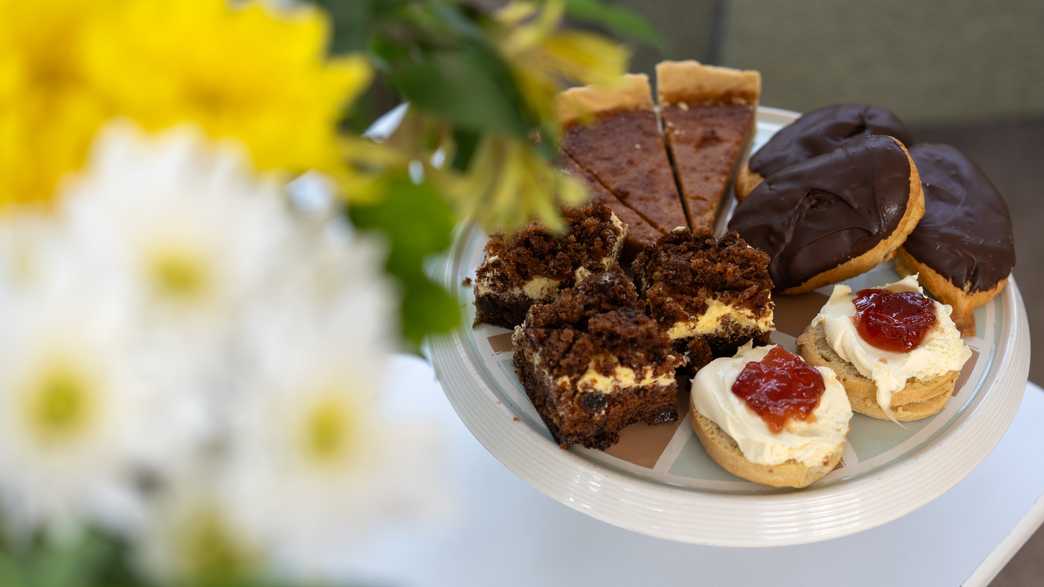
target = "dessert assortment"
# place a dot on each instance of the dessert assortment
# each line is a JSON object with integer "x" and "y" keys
{"x": 638, "y": 303}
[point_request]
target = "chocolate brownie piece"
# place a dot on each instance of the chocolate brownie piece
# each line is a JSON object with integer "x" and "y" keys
{"x": 592, "y": 362}
{"x": 533, "y": 264}
{"x": 711, "y": 296}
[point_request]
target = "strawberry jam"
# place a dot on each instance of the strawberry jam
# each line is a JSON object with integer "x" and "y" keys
{"x": 893, "y": 321}
{"x": 780, "y": 386}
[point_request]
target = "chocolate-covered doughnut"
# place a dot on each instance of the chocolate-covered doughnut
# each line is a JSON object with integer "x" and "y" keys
{"x": 816, "y": 133}
{"x": 963, "y": 248}
{"x": 965, "y": 234}
{"x": 821, "y": 131}
{"x": 834, "y": 215}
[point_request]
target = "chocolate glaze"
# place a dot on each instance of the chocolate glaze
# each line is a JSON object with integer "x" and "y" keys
{"x": 821, "y": 131}
{"x": 815, "y": 215}
{"x": 966, "y": 232}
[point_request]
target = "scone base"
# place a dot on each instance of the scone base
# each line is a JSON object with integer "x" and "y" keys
{"x": 724, "y": 451}
{"x": 918, "y": 400}
{"x": 592, "y": 419}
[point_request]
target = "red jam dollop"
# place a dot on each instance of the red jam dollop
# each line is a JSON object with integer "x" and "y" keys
{"x": 780, "y": 386}
{"x": 893, "y": 321}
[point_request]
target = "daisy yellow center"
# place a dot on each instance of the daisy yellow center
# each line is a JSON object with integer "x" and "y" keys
{"x": 208, "y": 549}
{"x": 179, "y": 274}
{"x": 62, "y": 404}
{"x": 330, "y": 431}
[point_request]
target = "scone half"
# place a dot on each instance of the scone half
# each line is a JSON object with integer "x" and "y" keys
{"x": 920, "y": 399}
{"x": 790, "y": 473}
{"x": 905, "y": 383}
{"x": 761, "y": 416}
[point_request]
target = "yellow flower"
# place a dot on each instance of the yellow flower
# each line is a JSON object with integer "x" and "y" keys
{"x": 47, "y": 115}
{"x": 510, "y": 184}
{"x": 541, "y": 54}
{"x": 329, "y": 431}
{"x": 61, "y": 403}
{"x": 247, "y": 73}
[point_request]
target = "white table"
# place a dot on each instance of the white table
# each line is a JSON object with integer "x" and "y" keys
{"x": 503, "y": 532}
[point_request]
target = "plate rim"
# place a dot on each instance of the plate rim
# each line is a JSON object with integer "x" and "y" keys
{"x": 743, "y": 520}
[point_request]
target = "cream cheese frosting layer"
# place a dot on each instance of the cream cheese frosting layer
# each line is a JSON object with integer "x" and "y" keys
{"x": 941, "y": 351}
{"x": 622, "y": 378}
{"x": 713, "y": 319}
{"x": 809, "y": 442}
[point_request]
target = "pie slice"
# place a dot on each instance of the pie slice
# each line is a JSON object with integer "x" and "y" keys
{"x": 640, "y": 234}
{"x": 613, "y": 134}
{"x": 708, "y": 115}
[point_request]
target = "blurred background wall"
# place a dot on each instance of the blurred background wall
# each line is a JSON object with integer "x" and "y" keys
{"x": 930, "y": 61}
{"x": 965, "y": 72}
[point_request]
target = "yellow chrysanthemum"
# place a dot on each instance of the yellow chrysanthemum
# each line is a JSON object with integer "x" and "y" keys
{"x": 48, "y": 116}
{"x": 247, "y": 73}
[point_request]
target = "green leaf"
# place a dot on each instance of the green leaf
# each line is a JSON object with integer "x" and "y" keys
{"x": 620, "y": 21}
{"x": 469, "y": 86}
{"x": 466, "y": 142}
{"x": 356, "y": 21}
{"x": 414, "y": 217}
{"x": 428, "y": 310}
{"x": 417, "y": 223}
{"x": 91, "y": 560}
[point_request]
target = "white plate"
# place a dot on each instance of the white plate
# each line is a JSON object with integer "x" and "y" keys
{"x": 659, "y": 481}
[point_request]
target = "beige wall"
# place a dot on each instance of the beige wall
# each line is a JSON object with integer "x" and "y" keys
{"x": 931, "y": 61}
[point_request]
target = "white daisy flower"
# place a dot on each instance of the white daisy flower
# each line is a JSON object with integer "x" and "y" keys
{"x": 72, "y": 414}
{"x": 313, "y": 465}
{"x": 183, "y": 225}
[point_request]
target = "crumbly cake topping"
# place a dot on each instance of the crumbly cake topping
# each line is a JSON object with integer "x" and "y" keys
{"x": 597, "y": 324}
{"x": 685, "y": 271}
{"x": 513, "y": 260}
